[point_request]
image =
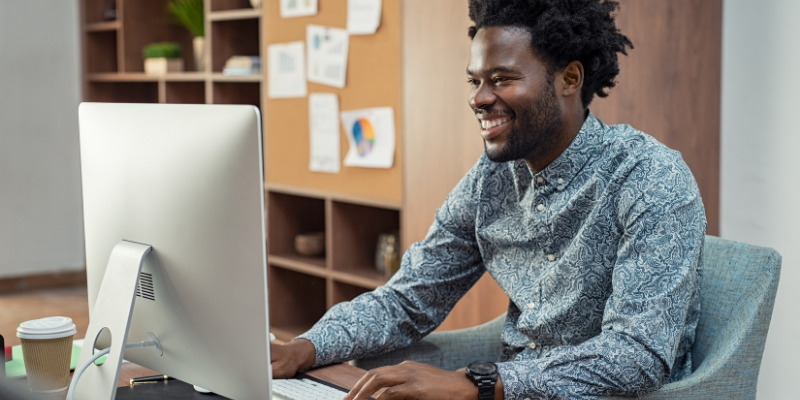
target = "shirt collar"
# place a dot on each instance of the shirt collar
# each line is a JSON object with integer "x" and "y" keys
{"x": 563, "y": 169}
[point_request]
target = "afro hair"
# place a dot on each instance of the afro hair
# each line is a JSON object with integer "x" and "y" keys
{"x": 563, "y": 31}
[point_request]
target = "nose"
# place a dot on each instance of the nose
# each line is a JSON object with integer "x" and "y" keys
{"x": 482, "y": 96}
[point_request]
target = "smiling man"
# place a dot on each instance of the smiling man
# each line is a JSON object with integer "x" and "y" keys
{"x": 595, "y": 232}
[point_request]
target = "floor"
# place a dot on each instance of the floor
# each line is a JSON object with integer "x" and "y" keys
{"x": 20, "y": 307}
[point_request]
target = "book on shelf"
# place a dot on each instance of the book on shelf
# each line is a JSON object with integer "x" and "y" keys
{"x": 242, "y": 65}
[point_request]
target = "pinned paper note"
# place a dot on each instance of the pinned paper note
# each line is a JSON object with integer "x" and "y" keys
{"x": 286, "y": 70}
{"x": 323, "y": 115}
{"x": 327, "y": 55}
{"x": 298, "y": 8}
{"x": 363, "y": 16}
{"x": 371, "y": 135}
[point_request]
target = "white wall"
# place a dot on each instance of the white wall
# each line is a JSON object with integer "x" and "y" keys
{"x": 41, "y": 222}
{"x": 760, "y": 193}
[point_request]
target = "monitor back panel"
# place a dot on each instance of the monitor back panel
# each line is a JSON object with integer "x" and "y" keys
{"x": 187, "y": 180}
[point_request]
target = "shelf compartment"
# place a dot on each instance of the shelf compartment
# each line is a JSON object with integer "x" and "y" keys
{"x": 142, "y": 77}
{"x": 123, "y": 92}
{"x": 306, "y": 265}
{"x": 362, "y": 279}
{"x": 93, "y": 11}
{"x": 143, "y": 26}
{"x": 296, "y": 300}
{"x": 218, "y": 77}
{"x": 103, "y": 26}
{"x": 237, "y": 93}
{"x": 288, "y": 216}
{"x": 222, "y": 5}
{"x": 233, "y": 38}
{"x": 344, "y": 292}
{"x": 121, "y": 77}
{"x": 186, "y": 92}
{"x": 101, "y": 51}
{"x": 186, "y": 77}
{"x": 230, "y": 15}
{"x": 356, "y": 229}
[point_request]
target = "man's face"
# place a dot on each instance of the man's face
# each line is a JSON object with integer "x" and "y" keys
{"x": 512, "y": 96}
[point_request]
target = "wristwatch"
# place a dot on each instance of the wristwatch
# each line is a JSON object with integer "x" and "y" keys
{"x": 484, "y": 375}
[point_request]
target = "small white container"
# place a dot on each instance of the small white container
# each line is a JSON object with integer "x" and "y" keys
{"x": 161, "y": 65}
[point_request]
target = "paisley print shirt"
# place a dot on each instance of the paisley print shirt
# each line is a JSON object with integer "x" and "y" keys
{"x": 599, "y": 253}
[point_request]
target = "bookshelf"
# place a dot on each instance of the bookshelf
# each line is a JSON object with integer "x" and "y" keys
{"x": 351, "y": 227}
{"x": 355, "y": 206}
{"x": 114, "y": 65}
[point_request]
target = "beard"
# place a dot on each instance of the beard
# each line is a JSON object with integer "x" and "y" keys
{"x": 536, "y": 130}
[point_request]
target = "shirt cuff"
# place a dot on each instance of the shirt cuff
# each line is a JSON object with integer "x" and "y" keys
{"x": 522, "y": 381}
{"x": 315, "y": 336}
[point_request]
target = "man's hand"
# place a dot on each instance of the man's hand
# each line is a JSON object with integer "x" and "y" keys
{"x": 411, "y": 380}
{"x": 288, "y": 358}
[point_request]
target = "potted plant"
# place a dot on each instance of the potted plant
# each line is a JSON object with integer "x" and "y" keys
{"x": 189, "y": 14}
{"x": 160, "y": 58}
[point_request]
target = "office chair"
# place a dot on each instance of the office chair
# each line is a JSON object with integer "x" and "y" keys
{"x": 737, "y": 295}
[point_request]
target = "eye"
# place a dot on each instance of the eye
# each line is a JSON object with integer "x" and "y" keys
{"x": 472, "y": 82}
{"x": 499, "y": 79}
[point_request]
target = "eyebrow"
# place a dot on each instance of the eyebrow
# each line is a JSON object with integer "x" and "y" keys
{"x": 495, "y": 69}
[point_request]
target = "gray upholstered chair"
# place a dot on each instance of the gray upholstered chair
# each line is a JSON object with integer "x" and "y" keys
{"x": 739, "y": 286}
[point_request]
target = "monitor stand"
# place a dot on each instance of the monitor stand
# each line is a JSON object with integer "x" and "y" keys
{"x": 112, "y": 310}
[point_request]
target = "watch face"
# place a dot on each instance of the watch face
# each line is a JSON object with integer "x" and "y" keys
{"x": 482, "y": 368}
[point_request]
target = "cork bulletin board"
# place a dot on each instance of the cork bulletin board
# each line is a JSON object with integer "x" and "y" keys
{"x": 373, "y": 80}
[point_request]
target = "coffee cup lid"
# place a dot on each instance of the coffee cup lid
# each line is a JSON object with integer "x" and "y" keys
{"x": 46, "y": 328}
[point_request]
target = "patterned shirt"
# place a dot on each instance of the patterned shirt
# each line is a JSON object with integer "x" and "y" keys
{"x": 599, "y": 253}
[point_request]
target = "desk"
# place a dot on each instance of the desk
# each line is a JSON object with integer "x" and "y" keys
{"x": 343, "y": 375}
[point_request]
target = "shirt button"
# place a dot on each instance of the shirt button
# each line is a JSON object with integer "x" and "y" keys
{"x": 540, "y": 207}
{"x": 539, "y": 179}
{"x": 551, "y": 257}
{"x": 532, "y": 345}
{"x": 560, "y": 181}
{"x": 531, "y": 305}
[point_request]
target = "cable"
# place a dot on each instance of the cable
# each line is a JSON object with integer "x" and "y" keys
{"x": 142, "y": 345}
{"x": 91, "y": 360}
{"x": 79, "y": 371}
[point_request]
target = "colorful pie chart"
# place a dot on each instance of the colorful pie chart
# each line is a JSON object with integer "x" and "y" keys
{"x": 364, "y": 135}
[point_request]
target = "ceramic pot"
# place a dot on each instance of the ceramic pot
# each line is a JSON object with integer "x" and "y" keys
{"x": 310, "y": 244}
{"x": 161, "y": 65}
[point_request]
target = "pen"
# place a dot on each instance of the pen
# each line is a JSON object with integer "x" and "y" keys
{"x": 148, "y": 379}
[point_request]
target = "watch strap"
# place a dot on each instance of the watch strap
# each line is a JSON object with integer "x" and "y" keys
{"x": 486, "y": 388}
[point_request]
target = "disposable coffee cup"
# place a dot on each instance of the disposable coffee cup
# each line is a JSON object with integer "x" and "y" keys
{"x": 46, "y": 350}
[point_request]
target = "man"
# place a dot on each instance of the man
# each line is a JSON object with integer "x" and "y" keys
{"x": 595, "y": 232}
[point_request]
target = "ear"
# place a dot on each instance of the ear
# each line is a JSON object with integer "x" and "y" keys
{"x": 572, "y": 79}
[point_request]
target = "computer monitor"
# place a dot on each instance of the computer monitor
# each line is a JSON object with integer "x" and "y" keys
{"x": 188, "y": 181}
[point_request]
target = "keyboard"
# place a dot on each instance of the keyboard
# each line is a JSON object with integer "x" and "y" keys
{"x": 304, "y": 389}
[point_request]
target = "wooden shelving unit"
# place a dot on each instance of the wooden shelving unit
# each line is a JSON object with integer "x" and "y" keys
{"x": 353, "y": 207}
{"x": 351, "y": 225}
{"x": 114, "y": 65}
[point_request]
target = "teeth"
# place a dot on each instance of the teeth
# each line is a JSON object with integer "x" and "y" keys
{"x": 488, "y": 124}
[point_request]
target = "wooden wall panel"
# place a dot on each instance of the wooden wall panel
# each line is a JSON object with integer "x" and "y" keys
{"x": 669, "y": 85}
{"x": 373, "y": 80}
{"x": 442, "y": 134}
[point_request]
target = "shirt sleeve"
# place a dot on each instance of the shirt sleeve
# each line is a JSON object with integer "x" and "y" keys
{"x": 434, "y": 274}
{"x": 653, "y": 305}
